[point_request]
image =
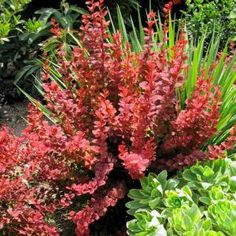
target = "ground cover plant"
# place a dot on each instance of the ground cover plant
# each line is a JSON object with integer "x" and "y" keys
{"x": 198, "y": 201}
{"x": 117, "y": 113}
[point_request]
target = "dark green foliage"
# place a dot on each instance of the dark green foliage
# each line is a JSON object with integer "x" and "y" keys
{"x": 19, "y": 52}
{"x": 204, "y": 16}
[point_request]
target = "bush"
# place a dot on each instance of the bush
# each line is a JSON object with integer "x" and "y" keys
{"x": 116, "y": 112}
{"x": 22, "y": 47}
{"x": 199, "y": 201}
{"x": 211, "y": 16}
{"x": 10, "y": 17}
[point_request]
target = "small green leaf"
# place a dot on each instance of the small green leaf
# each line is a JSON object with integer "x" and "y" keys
{"x": 162, "y": 178}
{"x": 154, "y": 203}
{"x": 233, "y": 183}
{"x": 208, "y": 172}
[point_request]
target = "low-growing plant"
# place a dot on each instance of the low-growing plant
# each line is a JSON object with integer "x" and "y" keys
{"x": 198, "y": 201}
{"x": 116, "y": 113}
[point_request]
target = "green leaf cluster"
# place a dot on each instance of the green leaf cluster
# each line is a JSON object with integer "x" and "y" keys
{"x": 203, "y": 16}
{"x": 10, "y": 17}
{"x": 201, "y": 200}
{"x": 23, "y": 48}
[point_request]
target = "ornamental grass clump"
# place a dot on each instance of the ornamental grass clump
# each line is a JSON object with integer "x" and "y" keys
{"x": 116, "y": 113}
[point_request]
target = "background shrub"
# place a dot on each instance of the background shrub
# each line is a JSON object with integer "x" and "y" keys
{"x": 10, "y": 16}
{"x": 21, "y": 53}
{"x": 211, "y": 17}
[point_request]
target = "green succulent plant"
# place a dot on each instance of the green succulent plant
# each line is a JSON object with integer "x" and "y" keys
{"x": 201, "y": 200}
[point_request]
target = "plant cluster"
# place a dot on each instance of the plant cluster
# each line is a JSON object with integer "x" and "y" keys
{"x": 10, "y": 16}
{"x": 211, "y": 16}
{"x": 116, "y": 112}
{"x": 42, "y": 39}
{"x": 22, "y": 49}
{"x": 199, "y": 201}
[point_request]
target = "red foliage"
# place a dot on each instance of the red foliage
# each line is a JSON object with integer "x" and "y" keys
{"x": 109, "y": 93}
{"x": 168, "y": 7}
{"x": 56, "y": 30}
{"x": 219, "y": 151}
{"x": 95, "y": 208}
{"x": 197, "y": 123}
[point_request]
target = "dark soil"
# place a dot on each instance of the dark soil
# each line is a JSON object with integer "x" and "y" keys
{"x": 13, "y": 115}
{"x": 113, "y": 223}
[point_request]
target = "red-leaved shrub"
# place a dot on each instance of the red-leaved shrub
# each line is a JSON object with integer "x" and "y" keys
{"x": 116, "y": 110}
